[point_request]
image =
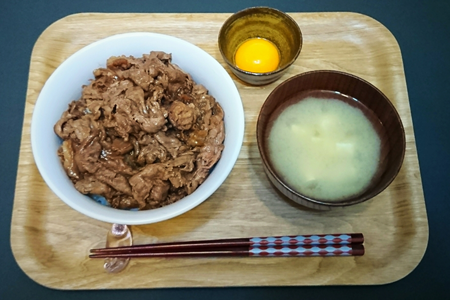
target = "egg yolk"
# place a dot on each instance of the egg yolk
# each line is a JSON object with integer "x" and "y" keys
{"x": 257, "y": 55}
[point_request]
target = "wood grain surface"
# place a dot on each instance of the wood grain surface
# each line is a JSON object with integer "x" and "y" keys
{"x": 50, "y": 241}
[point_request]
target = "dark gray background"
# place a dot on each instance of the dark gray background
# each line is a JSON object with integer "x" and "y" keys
{"x": 422, "y": 31}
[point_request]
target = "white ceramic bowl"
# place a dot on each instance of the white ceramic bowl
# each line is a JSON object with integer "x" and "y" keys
{"x": 64, "y": 85}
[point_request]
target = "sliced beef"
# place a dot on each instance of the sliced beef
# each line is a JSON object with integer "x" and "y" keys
{"x": 171, "y": 143}
{"x": 182, "y": 116}
{"x": 153, "y": 152}
{"x": 66, "y": 154}
{"x": 91, "y": 185}
{"x": 87, "y": 156}
{"x": 120, "y": 147}
{"x": 123, "y": 202}
{"x": 143, "y": 134}
{"x": 158, "y": 194}
{"x": 143, "y": 182}
{"x": 115, "y": 180}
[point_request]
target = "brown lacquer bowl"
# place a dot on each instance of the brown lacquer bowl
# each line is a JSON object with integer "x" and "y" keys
{"x": 359, "y": 93}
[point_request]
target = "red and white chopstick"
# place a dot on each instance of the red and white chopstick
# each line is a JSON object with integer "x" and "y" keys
{"x": 300, "y": 246}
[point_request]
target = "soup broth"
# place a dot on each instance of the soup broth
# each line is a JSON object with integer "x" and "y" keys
{"x": 325, "y": 147}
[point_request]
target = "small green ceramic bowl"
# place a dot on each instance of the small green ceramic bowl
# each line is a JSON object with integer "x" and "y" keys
{"x": 262, "y": 22}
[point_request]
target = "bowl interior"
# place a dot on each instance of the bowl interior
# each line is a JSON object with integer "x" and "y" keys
{"x": 379, "y": 110}
{"x": 64, "y": 85}
{"x": 262, "y": 22}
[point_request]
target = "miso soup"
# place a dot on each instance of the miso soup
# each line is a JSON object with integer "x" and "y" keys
{"x": 324, "y": 148}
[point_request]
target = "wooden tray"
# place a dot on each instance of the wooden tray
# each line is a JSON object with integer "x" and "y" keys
{"x": 50, "y": 241}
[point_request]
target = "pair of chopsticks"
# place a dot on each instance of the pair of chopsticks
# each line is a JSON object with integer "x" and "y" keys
{"x": 277, "y": 246}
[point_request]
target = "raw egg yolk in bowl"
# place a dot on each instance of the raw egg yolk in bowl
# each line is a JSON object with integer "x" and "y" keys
{"x": 257, "y": 55}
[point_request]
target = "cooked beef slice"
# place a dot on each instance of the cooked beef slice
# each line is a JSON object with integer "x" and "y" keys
{"x": 143, "y": 134}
